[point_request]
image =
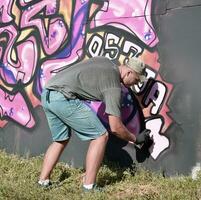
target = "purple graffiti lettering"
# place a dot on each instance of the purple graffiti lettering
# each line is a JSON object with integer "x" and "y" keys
{"x": 73, "y": 51}
{"x": 15, "y": 108}
{"x": 54, "y": 37}
{"x": 26, "y": 52}
{"x": 133, "y": 16}
{"x": 129, "y": 112}
{"x": 5, "y": 11}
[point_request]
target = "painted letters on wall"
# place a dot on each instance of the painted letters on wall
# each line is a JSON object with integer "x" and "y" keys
{"x": 39, "y": 38}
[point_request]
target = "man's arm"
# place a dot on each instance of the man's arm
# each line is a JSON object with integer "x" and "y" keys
{"x": 118, "y": 129}
{"x": 116, "y": 125}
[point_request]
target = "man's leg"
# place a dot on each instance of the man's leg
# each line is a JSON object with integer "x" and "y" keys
{"x": 51, "y": 157}
{"x": 94, "y": 158}
{"x": 53, "y": 104}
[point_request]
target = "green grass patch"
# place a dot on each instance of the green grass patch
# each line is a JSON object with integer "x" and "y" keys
{"x": 18, "y": 180}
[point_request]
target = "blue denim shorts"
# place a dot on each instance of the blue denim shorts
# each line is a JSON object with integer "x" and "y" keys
{"x": 67, "y": 115}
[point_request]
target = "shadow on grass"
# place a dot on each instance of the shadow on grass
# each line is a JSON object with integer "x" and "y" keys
{"x": 112, "y": 173}
{"x": 65, "y": 175}
{"x": 117, "y": 163}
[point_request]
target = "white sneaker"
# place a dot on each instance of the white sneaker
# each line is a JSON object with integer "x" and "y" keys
{"x": 44, "y": 183}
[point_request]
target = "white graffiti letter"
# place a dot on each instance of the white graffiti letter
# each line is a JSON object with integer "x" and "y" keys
{"x": 157, "y": 96}
{"x": 160, "y": 142}
{"x": 95, "y": 46}
{"x": 111, "y": 46}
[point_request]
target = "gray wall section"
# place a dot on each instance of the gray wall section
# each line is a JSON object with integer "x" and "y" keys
{"x": 180, "y": 55}
{"x": 181, "y": 3}
{"x": 24, "y": 142}
{"x": 179, "y": 34}
{"x": 179, "y": 49}
{"x": 159, "y": 7}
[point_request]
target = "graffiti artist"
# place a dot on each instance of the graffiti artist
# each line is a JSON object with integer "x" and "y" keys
{"x": 63, "y": 100}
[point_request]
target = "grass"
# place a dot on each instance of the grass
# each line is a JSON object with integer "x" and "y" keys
{"x": 18, "y": 177}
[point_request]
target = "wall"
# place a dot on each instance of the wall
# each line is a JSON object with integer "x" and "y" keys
{"x": 39, "y": 38}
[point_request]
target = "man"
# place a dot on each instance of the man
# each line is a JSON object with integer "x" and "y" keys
{"x": 96, "y": 79}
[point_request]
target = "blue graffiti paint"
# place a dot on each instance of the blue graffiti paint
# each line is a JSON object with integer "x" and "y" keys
{"x": 40, "y": 75}
{"x": 8, "y": 73}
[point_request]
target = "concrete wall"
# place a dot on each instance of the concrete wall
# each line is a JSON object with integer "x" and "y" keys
{"x": 39, "y": 38}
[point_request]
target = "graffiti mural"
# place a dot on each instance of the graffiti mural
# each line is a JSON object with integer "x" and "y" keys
{"x": 40, "y": 38}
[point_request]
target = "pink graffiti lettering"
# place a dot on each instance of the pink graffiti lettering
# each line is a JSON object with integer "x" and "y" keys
{"x": 133, "y": 16}
{"x": 50, "y": 67}
{"x": 5, "y": 11}
{"x": 57, "y": 32}
{"x": 26, "y": 52}
{"x": 15, "y": 108}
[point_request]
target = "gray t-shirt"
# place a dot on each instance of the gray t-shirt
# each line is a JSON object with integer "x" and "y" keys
{"x": 95, "y": 79}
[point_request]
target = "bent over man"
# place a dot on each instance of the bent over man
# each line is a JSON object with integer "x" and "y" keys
{"x": 96, "y": 79}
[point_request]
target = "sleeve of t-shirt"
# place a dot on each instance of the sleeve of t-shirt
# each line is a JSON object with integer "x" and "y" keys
{"x": 112, "y": 100}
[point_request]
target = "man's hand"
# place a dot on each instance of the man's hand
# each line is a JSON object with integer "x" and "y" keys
{"x": 143, "y": 137}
